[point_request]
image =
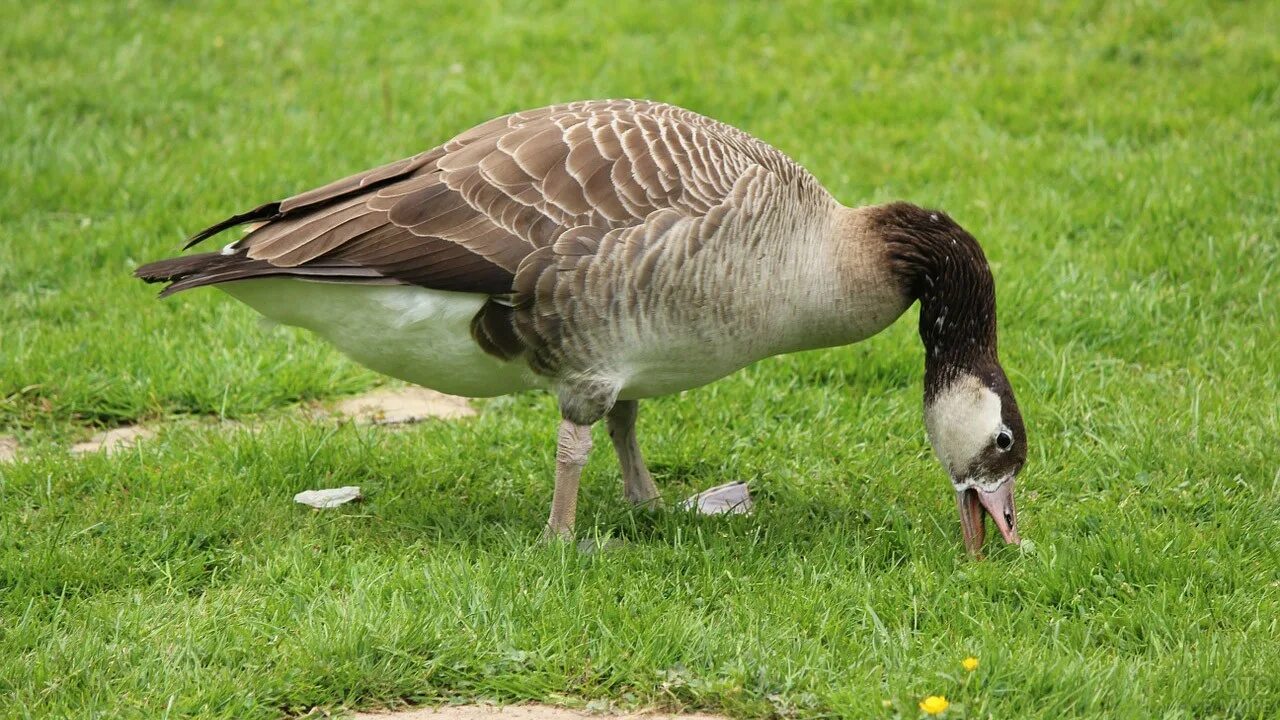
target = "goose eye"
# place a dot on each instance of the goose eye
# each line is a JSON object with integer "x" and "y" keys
{"x": 1004, "y": 440}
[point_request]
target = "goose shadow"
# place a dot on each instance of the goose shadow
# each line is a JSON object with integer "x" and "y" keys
{"x": 496, "y": 515}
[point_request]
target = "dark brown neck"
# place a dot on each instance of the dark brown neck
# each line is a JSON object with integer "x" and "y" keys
{"x": 943, "y": 266}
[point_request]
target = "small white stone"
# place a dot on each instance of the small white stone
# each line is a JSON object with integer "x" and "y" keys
{"x": 328, "y": 498}
{"x": 732, "y": 498}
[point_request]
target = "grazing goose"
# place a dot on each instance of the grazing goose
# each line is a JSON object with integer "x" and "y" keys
{"x": 609, "y": 251}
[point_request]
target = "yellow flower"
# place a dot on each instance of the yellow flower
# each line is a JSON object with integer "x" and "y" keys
{"x": 934, "y": 704}
{"x": 970, "y": 663}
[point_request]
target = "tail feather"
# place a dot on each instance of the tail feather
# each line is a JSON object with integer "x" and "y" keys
{"x": 192, "y": 271}
{"x": 177, "y": 268}
{"x": 182, "y": 272}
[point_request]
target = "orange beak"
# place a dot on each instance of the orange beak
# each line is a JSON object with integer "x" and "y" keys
{"x": 998, "y": 503}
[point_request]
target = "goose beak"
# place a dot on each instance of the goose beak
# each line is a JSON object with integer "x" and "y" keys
{"x": 998, "y": 503}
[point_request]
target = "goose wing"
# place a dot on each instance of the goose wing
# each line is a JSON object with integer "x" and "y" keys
{"x": 465, "y": 215}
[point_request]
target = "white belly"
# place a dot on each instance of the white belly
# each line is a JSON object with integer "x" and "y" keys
{"x": 411, "y": 333}
{"x": 647, "y": 374}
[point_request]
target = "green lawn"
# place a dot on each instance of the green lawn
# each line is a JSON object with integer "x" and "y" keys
{"x": 1119, "y": 164}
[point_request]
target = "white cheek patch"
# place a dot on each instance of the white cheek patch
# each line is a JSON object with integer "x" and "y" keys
{"x": 961, "y": 421}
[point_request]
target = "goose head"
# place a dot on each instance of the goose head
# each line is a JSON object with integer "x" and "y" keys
{"x": 975, "y": 428}
{"x": 971, "y": 416}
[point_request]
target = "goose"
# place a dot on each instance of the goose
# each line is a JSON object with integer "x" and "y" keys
{"x": 609, "y": 251}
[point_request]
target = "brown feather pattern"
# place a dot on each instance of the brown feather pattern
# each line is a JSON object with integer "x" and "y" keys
{"x": 574, "y": 208}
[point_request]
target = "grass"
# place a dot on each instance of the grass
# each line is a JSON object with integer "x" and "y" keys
{"x": 1117, "y": 160}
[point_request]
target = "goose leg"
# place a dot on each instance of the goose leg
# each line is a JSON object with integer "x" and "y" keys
{"x": 581, "y": 406}
{"x": 572, "y": 449}
{"x": 637, "y": 483}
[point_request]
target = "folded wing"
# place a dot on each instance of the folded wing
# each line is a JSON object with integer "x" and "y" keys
{"x": 464, "y": 215}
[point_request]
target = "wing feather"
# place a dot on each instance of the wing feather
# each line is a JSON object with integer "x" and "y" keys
{"x": 472, "y": 213}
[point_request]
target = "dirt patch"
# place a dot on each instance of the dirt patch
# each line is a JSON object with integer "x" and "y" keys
{"x": 518, "y": 712}
{"x": 394, "y": 406}
{"x": 114, "y": 440}
{"x": 387, "y": 406}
